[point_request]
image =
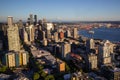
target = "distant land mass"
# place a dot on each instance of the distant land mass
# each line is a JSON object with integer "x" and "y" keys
{"x": 73, "y": 22}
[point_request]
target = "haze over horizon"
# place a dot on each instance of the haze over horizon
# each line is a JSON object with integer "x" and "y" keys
{"x": 61, "y": 10}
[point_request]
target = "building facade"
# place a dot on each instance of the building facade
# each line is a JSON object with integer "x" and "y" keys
{"x": 75, "y": 33}
{"x": 56, "y": 36}
{"x": 66, "y": 49}
{"x": 25, "y": 35}
{"x": 105, "y": 53}
{"x": 90, "y": 44}
{"x": 13, "y": 38}
{"x": 92, "y": 61}
{"x": 16, "y": 59}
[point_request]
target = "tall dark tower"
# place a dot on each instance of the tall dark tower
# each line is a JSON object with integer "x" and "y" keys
{"x": 35, "y": 18}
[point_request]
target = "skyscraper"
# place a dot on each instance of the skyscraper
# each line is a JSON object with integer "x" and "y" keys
{"x": 32, "y": 33}
{"x": 31, "y": 19}
{"x": 92, "y": 61}
{"x": 35, "y": 18}
{"x": 48, "y": 35}
{"x": 66, "y": 49}
{"x": 43, "y": 35}
{"x": 20, "y": 24}
{"x": 104, "y": 53}
{"x": 13, "y": 37}
{"x": 10, "y": 20}
{"x": 56, "y": 36}
{"x": 90, "y": 44}
{"x": 75, "y": 33}
{"x": 25, "y": 36}
{"x": 68, "y": 34}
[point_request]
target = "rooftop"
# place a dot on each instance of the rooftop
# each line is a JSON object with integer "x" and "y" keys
{"x": 4, "y": 76}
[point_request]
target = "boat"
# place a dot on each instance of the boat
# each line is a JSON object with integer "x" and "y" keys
{"x": 91, "y": 32}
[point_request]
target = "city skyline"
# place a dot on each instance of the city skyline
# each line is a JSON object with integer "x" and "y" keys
{"x": 61, "y": 10}
{"x": 47, "y": 50}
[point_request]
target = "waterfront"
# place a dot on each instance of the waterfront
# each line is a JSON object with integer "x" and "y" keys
{"x": 104, "y": 33}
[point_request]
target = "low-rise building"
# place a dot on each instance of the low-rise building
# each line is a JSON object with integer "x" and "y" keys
{"x": 61, "y": 65}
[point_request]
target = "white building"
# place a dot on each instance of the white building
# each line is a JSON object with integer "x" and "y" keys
{"x": 32, "y": 34}
{"x": 105, "y": 52}
{"x": 10, "y": 20}
{"x": 75, "y": 33}
{"x": 56, "y": 36}
{"x": 68, "y": 33}
{"x": 90, "y": 44}
{"x": 13, "y": 38}
{"x": 49, "y": 26}
{"x": 92, "y": 61}
{"x": 25, "y": 36}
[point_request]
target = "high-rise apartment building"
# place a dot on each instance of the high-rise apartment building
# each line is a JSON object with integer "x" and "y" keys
{"x": 16, "y": 59}
{"x": 10, "y": 20}
{"x": 90, "y": 44}
{"x": 58, "y": 51}
{"x": 49, "y": 26}
{"x": 75, "y": 33}
{"x": 48, "y": 35}
{"x": 31, "y": 33}
{"x": 68, "y": 33}
{"x": 10, "y": 59}
{"x": 104, "y": 53}
{"x": 56, "y": 36}
{"x": 92, "y": 61}
{"x": 13, "y": 37}
{"x": 43, "y": 34}
{"x": 31, "y": 19}
{"x": 20, "y": 24}
{"x": 25, "y": 35}
{"x": 66, "y": 49}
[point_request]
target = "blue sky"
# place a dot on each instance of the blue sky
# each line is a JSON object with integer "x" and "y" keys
{"x": 64, "y": 10}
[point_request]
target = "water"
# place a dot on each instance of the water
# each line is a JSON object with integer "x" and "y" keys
{"x": 112, "y": 34}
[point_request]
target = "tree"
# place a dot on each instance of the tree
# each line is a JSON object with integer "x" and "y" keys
{"x": 40, "y": 67}
{"x": 3, "y": 69}
{"x": 50, "y": 77}
{"x": 43, "y": 74}
{"x": 36, "y": 76}
{"x": 0, "y": 62}
{"x": 67, "y": 68}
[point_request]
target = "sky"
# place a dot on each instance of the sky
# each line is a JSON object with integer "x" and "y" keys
{"x": 61, "y": 10}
